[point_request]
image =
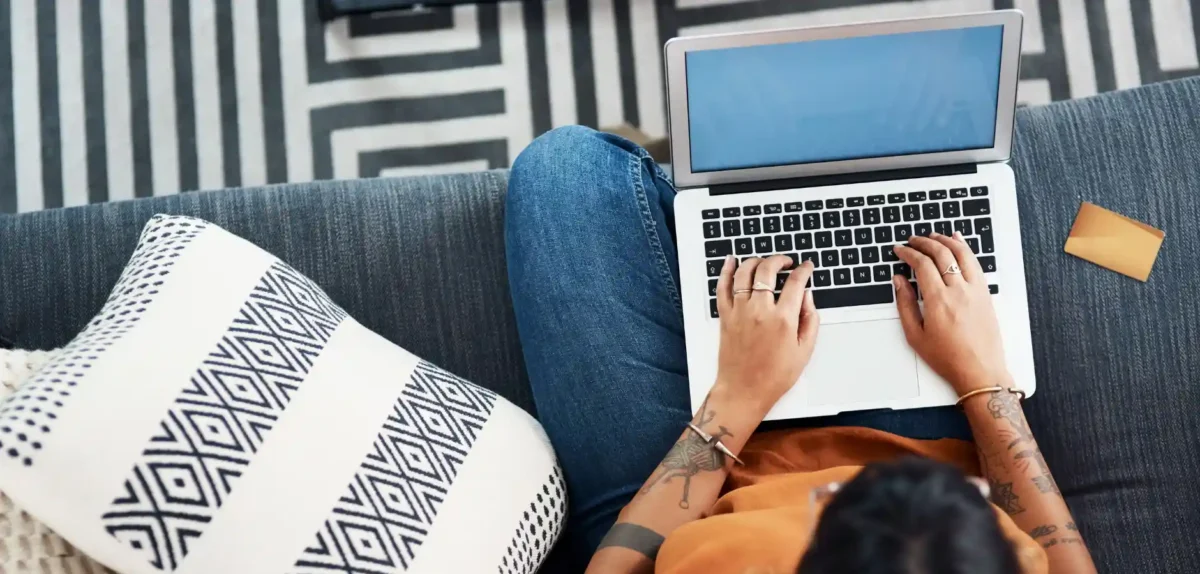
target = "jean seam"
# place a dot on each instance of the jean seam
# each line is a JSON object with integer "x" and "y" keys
{"x": 651, "y": 226}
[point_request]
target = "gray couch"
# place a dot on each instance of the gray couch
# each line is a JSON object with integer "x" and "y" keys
{"x": 421, "y": 261}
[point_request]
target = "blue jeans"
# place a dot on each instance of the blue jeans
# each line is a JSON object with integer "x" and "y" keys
{"x": 589, "y": 232}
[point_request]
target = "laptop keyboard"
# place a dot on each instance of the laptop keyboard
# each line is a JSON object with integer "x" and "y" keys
{"x": 850, "y": 241}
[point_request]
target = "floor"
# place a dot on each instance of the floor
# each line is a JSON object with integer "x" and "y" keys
{"x": 104, "y": 101}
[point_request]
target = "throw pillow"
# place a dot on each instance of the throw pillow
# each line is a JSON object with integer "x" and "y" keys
{"x": 222, "y": 414}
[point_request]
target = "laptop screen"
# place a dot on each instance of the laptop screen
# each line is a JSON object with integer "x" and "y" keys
{"x": 843, "y": 99}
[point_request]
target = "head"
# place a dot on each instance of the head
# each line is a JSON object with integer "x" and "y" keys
{"x": 910, "y": 516}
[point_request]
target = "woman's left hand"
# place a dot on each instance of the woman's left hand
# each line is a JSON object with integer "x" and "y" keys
{"x": 765, "y": 344}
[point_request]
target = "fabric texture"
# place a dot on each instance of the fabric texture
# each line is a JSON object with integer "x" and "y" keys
{"x": 765, "y": 519}
{"x": 27, "y": 545}
{"x": 222, "y": 414}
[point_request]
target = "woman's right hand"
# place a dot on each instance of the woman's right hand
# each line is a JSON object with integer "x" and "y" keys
{"x": 957, "y": 334}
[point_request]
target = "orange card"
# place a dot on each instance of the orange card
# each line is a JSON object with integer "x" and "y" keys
{"x": 1114, "y": 241}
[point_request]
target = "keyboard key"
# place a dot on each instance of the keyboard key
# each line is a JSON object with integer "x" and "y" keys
{"x": 743, "y": 246}
{"x": 912, "y": 213}
{"x": 862, "y": 236}
{"x": 902, "y": 269}
{"x": 951, "y": 209}
{"x": 870, "y": 254}
{"x": 842, "y": 238}
{"x": 731, "y": 212}
{"x": 963, "y": 226}
{"x": 943, "y": 227}
{"x": 791, "y": 223}
{"x": 975, "y": 207}
{"x": 834, "y": 204}
{"x": 883, "y": 234}
{"x": 829, "y": 258}
{"x": 852, "y": 296}
{"x": 850, "y": 256}
{"x": 882, "y": 273}
{"x": 994, "y": 289}
{"x": 916, "y": 196}
{"x": 871, "y": 216}
{"x": 958, "y": 192}
{"x": 811, "y": 256}
{"x": 804, "y": 241}
{"x": 762, "y": 245}
{"x": 712, "y": 229}
{"x": 983, "y": 225}
{"x": 710, "y": 213}
{"x": 891, "y": 214}
{"x": 922, "y": 229}
{"x": 974, "y": 243}
{"x": 852, "y": 218}
{"x": 824, "y": 239}
{"x": 937, "y": 194}
{"x": 822, "y": 278}
{"x": 783, "y": 243}
{"x": 903, "y": 232}
{"x": 832, "y": 219}
{"x": 814, "y": 205}
{"x": 752, "y": 225}
{"x": 780, "y": 279}
{"x": 916, "y": 289}
{"x": 752, "y": 210}
{"x": 793, "y": 207}
{"x": 986, "y": 243}
{"x": 889, "y": 253}
{"x": 712, "y": 287}
{"x": 840, "y": 277}
{"x": 875, "y": 200}
{"x": 714, "y": 267}
{"x": 795, "y": 259}
{"x": 712, "y": 308}
{"x": 771, "y": 224}
{"x": 812, "y": 221}
{"x": 979, "y": 191}
{"x": 855, "y": 202}
{"x": 862, "y": 275}
{"x": 773, "y": 208}
{"x": 718, "y": 248}
{"x": 931, "y": 211}
{"x": 733, "y": 227}
{"x": 895, "y": 198}
{"x": 988, "y": 264}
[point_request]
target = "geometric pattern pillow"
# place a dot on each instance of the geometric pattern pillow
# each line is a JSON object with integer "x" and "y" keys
{"x": 222, "y": 414}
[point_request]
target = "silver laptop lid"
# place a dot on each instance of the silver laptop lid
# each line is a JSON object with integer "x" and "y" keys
{"x": 842, "y": 99}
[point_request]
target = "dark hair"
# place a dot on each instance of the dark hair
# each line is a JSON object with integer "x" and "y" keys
{"x": 909, "y": 516}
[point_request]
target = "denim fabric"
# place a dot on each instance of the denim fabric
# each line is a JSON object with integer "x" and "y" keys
{"x": 419, "y": 261}
{"x": 595, "y": 284}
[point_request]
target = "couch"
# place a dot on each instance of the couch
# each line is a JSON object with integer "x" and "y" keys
{"x": 421, "y": 261}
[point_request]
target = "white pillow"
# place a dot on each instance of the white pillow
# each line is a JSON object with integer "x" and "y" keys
{"x": 222, "y": 414}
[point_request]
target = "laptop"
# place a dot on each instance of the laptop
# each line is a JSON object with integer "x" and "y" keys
{"x": 833, "y": 144}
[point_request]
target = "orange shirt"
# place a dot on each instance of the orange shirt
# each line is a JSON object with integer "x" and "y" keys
{"x": 763, "y": 522}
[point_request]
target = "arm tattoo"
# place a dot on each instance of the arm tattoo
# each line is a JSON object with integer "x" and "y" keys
{"x": 1071, "y": 526}
{"x": 1043, "y": 530}
{"x": 690, "y": 456}
{"x": 634, "y": 537}
{"x": 1004, "y": 497}
{"x": 1008, "y": 407}
{"x": 1045, "y": 481}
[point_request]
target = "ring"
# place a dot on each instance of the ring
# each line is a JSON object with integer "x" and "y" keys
{"x": 952, "y": 270}
{"x": 740, "y": 291}
{"x": 760, "y": 286}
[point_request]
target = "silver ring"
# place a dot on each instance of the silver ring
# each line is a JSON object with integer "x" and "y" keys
{"x": 760, "y": 286}
{"x": 952, "y": 270}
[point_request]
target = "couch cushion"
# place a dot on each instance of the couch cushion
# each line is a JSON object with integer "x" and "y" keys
{"x": 400, "y": 255}
{"x": 1118, "y": 372}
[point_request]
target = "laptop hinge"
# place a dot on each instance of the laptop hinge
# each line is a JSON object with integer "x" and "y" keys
{"x": 843, "y": 179}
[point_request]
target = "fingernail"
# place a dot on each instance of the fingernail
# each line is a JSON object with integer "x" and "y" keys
{"x": 935, "y": 234}
{"x": 896, "y": 282}
{"x": 728, "y": 259}
{"x": 900, "y": 246}
{"x": 957, "y": 235}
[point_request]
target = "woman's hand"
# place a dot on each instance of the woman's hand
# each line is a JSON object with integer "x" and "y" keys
{"x": 765, "y": 343}
{"x": 957, "y": 335}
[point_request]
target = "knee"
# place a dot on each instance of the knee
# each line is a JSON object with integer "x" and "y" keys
{"x": 560, "y": 166}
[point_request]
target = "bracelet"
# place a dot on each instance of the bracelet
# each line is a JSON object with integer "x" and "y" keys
{"x": 715, "y": 443}
{"x": 960, "y": 400}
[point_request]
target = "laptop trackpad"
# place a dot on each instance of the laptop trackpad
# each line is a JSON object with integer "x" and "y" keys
{"x": 861, "y": 362}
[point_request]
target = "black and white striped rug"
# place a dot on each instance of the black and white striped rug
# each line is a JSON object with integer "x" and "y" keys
{"x": 103, "y": 100}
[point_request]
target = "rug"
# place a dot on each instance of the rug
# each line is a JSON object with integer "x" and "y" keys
{"x": 117, "y": 99}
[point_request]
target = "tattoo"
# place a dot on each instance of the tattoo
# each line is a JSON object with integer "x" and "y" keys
{"x": 1063, "y": 541}
{"x": 1043, "y": 530}
{"x": 1004, "y": 497}
{"x": 1007, "y": 406}
{"x": 1071, "y": 526}
{"x": 634, "y": 537}
{"x": 1050, "y": 543}
{"x": 690, "y": 456}
{"x": 1045, "y": 481}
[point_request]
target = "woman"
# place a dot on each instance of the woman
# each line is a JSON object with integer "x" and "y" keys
{"x": 594, "y": 276}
